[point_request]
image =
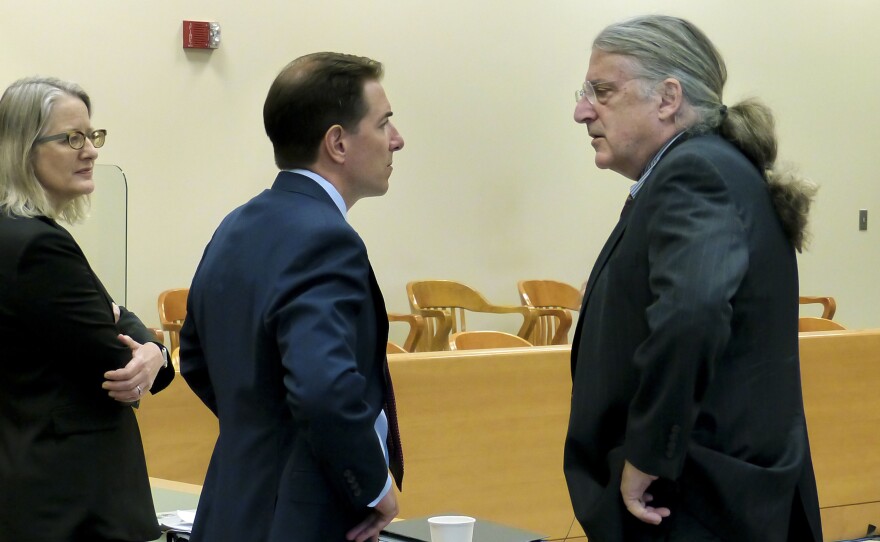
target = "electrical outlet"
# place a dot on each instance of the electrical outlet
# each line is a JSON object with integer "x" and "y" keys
{"x": 863, "y": 219}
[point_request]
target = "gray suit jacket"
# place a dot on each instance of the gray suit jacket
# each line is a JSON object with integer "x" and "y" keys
{"x": 685, "y": 358}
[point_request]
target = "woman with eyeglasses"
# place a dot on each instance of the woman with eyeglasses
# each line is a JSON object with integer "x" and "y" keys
{"x": 72, "y": 363}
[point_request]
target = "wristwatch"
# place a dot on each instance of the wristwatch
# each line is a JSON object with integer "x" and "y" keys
{"x": 164, "y": 354}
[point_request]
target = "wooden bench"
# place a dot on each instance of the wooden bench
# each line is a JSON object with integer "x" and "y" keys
{"x": 483, "y": 432}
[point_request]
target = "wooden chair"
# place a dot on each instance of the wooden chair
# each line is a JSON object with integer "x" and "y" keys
{"x": 443, "y": 304}
{"x": 416, "y": 329}
{"x": 394, "y": 348}
{"x": 829, "y": 306}
{"x": 558, "y": 299}
{"x": 172, "y": 312}
{"x": 812, "y": 323}
{"x": 160, "y": 335}
{"x": 474, "y": 340}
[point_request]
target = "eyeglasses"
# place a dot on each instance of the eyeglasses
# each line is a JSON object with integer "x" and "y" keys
{"x": 77, "y": 139}
{"x": 597, "y": 91}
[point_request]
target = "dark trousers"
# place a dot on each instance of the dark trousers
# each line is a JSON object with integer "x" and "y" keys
{"x": 681, "y": 526}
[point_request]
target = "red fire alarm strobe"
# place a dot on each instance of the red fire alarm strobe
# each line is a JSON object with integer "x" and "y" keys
{"x": 201, "y": 35}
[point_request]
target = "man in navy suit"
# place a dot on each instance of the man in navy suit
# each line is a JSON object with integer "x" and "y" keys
{"x": 286, "y": 328}
{"x": 687, "y": 419}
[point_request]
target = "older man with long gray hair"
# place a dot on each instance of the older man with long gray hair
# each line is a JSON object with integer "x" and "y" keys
{"x": 687, "y": 419}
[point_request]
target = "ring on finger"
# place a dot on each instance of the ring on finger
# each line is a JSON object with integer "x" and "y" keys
{"x": 138, "y": 388}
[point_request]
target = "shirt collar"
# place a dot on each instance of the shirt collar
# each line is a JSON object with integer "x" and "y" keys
{"x": 638, "y": 186}
{"x": 325, "y": 184}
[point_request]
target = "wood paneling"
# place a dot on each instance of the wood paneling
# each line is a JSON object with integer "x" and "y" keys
{"x": 178, "y": 432}
{"x": 483, "y": 432}
{"x": 840, "y": 372}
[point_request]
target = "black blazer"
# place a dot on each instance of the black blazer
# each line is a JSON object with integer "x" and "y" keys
{"x": 685, "y": 358}
{"x": 284, "y": 341}
{"x": 71, "y": 460}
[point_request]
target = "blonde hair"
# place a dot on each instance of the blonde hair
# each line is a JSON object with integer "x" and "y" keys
{"x": 25, "y": 109}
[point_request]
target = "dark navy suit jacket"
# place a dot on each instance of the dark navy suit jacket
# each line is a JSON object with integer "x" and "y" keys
{"x": 284, "y": 341}
{"x": 685, "y": 359}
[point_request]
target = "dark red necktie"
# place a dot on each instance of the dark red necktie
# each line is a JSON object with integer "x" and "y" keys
{"x": 395, "y": 452}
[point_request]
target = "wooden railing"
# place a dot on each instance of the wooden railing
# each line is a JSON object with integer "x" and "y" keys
{"x": 483, "y": 432}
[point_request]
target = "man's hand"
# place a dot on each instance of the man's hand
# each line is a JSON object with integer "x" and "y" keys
{"x": 128, "y": 384}
{"x": 380, "y": 516}
{"x": 633, "y": 486}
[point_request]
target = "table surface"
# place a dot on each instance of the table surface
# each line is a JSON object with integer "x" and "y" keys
{"x": 169, "y": 496}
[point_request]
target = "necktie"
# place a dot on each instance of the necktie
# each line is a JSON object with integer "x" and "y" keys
{"x": 395, "y": 452}
{"x": 626, "y": 205}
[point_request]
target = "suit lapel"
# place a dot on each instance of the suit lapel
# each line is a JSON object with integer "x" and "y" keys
{"x": 381, "y": 313}
{"x": 604, "y": 254}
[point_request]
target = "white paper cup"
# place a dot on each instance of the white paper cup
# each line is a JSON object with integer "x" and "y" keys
{"x": 452, "y": 528}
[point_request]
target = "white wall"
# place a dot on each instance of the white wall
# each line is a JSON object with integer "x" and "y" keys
{"x": 496, "y": 183}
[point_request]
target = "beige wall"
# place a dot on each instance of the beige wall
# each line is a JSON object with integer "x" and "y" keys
{"x": 496, "y": 182}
